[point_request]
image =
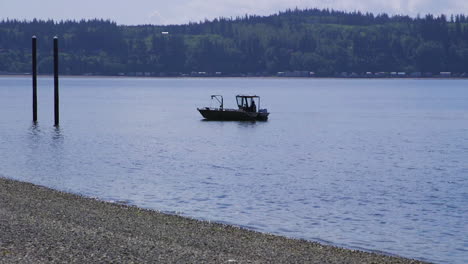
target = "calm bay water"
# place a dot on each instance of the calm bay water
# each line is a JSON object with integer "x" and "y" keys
{"x": 377, "y": 165}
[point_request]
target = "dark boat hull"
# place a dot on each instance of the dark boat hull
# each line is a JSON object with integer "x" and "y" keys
{"x": 232, "y": 115}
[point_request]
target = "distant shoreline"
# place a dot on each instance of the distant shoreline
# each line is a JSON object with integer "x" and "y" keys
{"x": 44, "y": 225}
{"x": 231, "y": 77}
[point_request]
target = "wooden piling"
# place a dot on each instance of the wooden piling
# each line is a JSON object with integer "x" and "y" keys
{"x": 34, "y": 77}
{"x": 56, "y": 82}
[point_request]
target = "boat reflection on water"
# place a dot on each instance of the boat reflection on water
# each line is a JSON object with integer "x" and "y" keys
{"x": 247, "y": 110}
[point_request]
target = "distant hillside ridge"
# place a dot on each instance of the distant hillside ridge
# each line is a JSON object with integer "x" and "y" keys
{"x": 325, "y": 42}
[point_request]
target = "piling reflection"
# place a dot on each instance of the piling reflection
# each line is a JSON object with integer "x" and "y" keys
{"x": 34, "y": 129}
{"x": 57, "y": 134}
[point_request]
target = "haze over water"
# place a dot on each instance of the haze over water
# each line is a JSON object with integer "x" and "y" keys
{"x": 366, "y": 164}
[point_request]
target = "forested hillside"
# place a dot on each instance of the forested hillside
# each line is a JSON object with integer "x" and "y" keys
{"x": 322, "y": 41}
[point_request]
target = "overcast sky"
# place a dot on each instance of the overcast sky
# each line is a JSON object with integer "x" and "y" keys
{"x": 132, "y": 12}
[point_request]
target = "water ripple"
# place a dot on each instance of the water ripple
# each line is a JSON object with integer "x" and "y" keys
{"x": 384, "y": 170}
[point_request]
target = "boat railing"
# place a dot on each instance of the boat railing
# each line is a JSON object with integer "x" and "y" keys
{"x": 218, "y": 109}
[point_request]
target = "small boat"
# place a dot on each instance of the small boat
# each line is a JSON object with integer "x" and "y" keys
{"x": 247, "y": 110}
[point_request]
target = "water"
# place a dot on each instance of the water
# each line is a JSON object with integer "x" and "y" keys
{"x": 379, "y": 165}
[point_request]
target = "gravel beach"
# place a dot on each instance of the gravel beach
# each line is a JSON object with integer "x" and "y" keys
{"x": 40, "y": 225}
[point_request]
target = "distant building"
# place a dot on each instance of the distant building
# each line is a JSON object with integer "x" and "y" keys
{"x": 293, "y": 74}
{"x": 280, "y": 74}
{"x": 445, "y": 74}
{"x": 198, "y": 74}
{"x": 416, "y": 75}
{"x": 381, "y": 74}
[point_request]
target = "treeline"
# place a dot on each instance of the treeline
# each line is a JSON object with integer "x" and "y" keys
{"x": 322, "y": 41}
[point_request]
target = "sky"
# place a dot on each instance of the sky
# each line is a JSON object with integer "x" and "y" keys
{"x": 163, "y": 12}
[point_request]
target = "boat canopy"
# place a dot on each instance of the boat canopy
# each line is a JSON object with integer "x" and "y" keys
{"x": 246, "y": 101}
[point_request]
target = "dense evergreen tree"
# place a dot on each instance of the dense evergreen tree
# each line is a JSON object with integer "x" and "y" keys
{"x": 323, "y": 41}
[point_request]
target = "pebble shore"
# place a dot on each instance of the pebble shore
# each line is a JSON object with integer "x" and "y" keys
{"x": 40, "y": 225}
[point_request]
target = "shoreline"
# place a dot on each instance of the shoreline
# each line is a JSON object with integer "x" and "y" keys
{"x": 227, "y": 77}
{"x": 38, "y": 224}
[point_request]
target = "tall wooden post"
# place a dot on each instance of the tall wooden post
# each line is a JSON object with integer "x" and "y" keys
{"x": 34, "y": 77}
{"x": 56, "y": 82}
